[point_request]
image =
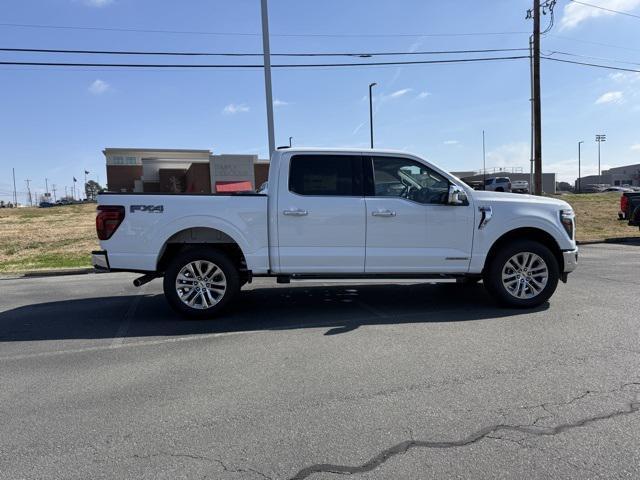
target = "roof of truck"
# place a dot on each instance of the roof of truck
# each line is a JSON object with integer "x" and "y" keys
{"x": 343, "y": 150}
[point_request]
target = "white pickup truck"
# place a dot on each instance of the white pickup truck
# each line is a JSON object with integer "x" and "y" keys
{"x": 339, "y": 214}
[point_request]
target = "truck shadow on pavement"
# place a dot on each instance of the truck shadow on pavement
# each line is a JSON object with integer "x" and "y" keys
{"x": 338, "y": 308}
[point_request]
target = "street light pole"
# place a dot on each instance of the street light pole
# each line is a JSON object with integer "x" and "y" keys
{"x": 290, "y": 142}
{"x": 267, "y": 77}
{"x": 599, "y": 139}
{"x": 579, "y": 174}
{"x": 371, "y": 85}
{"x": 484, "y": 165}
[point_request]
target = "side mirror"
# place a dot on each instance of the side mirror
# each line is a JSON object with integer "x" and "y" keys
{"x": 457, "y": 196}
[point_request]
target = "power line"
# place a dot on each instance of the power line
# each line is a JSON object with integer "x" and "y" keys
{"x": 250, "y": 34}
{"x": 605, "y": 9}
{"x": 238, "y": 54}
{"x": 608, "y": 67}
{"x": 285, "y": 65}
{"x": 595, "y": 43}
{"x": 553, "y": 52}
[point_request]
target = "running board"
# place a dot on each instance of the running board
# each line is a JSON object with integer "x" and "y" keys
{"x": 369, "y": 276}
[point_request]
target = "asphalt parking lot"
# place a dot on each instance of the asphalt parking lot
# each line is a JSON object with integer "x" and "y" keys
{"x": 318, "y": 380}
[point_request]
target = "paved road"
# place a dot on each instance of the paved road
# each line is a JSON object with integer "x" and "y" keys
{"x": 100, "y": 380}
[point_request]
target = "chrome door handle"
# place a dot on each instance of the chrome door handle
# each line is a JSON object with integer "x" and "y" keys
{"x": 295, "y": 212}
{"x": 383, "y": 213}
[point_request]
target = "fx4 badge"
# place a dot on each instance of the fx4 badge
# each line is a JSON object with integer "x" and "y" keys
{"x": 146, "y": 208}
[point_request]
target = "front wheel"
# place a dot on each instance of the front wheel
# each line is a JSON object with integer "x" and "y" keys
{"x": 523, "y": 274}
{"x": 199, "y": 283}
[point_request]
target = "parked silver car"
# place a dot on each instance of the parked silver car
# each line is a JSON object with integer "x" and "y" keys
{"x": 520, "y": 186}
{"x": 498, "y": 184}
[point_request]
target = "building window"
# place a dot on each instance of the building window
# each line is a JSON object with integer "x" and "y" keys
{"x": 130, "y": 161}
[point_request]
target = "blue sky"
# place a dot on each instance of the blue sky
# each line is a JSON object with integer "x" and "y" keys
{"x": 55, "y": 122}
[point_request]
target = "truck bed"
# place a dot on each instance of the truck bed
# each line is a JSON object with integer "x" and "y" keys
{"x": 152, "y": 220}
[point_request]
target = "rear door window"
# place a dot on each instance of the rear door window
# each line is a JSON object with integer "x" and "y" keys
{"x": 326, "y": 175}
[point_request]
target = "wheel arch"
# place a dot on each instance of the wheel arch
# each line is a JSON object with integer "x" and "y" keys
{"x": 195, "y": 237}
{"x": 527, "y": 233}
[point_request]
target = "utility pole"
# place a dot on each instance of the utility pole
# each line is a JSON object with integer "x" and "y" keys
{"x": 579, "y": 174}
{"x": 599, "y": 139}
{"x": 65, "y": 192}
{"x": 371, "y": 85}
{"x": 29, "y": 192}
{"x": 537, "y": 107}
{"x": 484, "y": 165}
{"x": 53, "y": 189}
{"x": 46, "y": 185}
{"x": 266, "y": 52}
{"x": 15, "y": 192}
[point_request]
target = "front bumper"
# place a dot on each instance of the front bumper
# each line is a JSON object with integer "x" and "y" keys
{"x": 570, "y": 260}
{"x": 100, "y": 260}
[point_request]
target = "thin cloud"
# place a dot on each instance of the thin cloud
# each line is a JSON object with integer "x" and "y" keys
{"x": 358, "y": 128}
{"x": 423, "y": 95}
{"x": 610, "y": 97}
{"x": 400, "y": 93}
{"x": 280, "y": 103}
{"x": 574, "y": 14}
{"x": 635, "y": 147}
{"x": 98, "y": 87}
{"x": 233, "y": 108}
{"x": 97, "y": 3}
{"x": 451, "y": 142}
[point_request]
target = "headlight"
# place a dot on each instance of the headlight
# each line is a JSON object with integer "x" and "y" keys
{"x": 567, "y": 219}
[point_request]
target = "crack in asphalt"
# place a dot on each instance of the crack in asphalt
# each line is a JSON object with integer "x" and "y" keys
{"x": 491, "y": 431}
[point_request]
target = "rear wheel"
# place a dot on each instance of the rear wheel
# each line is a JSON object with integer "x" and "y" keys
{"x": 199, "y": 283}
{"x": 523, "y": 274}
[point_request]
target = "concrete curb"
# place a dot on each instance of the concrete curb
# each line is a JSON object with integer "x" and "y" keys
{"x": 52, "y": 273}
{"x": 621, "y": 240}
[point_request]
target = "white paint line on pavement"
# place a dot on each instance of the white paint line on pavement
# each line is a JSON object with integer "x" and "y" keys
{"x": 142, "y": 343}
{"x": 126, "y": 320}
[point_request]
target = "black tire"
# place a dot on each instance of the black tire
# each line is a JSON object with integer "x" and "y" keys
{"x": 205, "y": 305}
{"x": 499, "y": 189}
{"x": 497, "y": 288}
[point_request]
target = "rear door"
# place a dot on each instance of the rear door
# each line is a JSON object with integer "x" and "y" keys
{"x": 321, "y": 214}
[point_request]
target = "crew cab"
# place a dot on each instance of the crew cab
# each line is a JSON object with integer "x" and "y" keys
{"x": 339, "y": 214}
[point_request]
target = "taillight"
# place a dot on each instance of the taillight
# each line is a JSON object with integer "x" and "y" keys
{"x": 624, "y": 203}
{"x": 108, "y": 220}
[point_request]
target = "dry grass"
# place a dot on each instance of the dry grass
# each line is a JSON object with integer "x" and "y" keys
{"x": 597, "y": 216}
{"x": 63, "y": 237}
{"x": 45, "y": 238}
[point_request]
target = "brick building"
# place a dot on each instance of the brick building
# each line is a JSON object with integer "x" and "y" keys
{"x": 181, "y": 171}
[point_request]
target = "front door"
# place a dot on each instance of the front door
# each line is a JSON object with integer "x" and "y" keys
{"x": 321, "y": 214}
{"x": 410, "y": 226}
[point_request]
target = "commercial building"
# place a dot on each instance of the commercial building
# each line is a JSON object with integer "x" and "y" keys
{"x": 615, "y": 177}
{"x": 181, "y": 171}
